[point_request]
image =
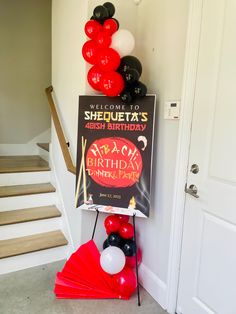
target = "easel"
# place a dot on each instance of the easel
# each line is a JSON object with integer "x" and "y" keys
{"x": 82, "y": 173}
{"x": 136, "y": 250}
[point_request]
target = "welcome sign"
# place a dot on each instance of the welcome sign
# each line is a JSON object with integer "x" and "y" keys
{"x": 114, "y": 155}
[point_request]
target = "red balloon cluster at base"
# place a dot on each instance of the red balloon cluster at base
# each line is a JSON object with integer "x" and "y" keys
{"x": 121, "y": 234}
{"x": 125, "y": 282}
{"x": 112, "y": 224}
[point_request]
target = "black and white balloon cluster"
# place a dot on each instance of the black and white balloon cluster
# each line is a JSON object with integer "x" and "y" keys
{"x": 104, "y": 12}
{"x": 114, "y": 71}
{"x": 131, "y": 69}
{"x": 120, "y": 239}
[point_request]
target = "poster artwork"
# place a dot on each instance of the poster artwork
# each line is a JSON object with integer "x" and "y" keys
{"x": 114, "y": 155}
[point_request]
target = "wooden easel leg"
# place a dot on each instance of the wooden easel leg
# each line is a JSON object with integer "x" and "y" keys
{"x": 136, "y": 259}
{"x": 95, "y": 224}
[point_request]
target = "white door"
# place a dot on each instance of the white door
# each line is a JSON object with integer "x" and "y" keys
{"x": 208, "y": 262}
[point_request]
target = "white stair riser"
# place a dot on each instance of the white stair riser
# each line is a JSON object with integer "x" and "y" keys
{"x": 30, "y": 228}
{"x": 27, "y": 201}
{"x": 44, "y": 154}
{"x": 29, "y": 149}
{"x": 15, "y": 263}
{"x": 24, "y": 261}
{"x": 25, "y": 178}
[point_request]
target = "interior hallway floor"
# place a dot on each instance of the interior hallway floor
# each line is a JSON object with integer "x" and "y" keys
{"x": 31, "y": 292}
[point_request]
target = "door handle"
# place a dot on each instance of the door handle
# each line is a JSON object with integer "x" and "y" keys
{"x": 192, "y": 190}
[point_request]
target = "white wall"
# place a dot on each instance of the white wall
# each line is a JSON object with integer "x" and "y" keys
{"x": 29, "y": 148}
{"x": 25, "y": 63}
{"x": 160, "y": 30}
{"x": 68, "y": 80}
{"x": 161, "y": 36}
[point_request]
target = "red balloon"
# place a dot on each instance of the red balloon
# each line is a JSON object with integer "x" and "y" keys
{"x": 108, "y": 60}
{"x": 112, "y": 224}
{"x": 103, "y": 39}
{"x": 110, "y": 26}
{"x": 90, "y": 51}
{"x": 92, "y": 28}
{"x": 131, "y": 260}
{"x": 126, "y": 230}
{"x": 125, "y": 282}
{"x": 94, "y": 77}
{"x": 123, "y": 218}
{"x": 112, "y": 84}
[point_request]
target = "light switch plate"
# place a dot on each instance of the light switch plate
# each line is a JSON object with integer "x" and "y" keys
{"x": 172, "y": 110}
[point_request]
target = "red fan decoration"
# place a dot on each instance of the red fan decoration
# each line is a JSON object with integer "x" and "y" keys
{"x": 83, "y": 278}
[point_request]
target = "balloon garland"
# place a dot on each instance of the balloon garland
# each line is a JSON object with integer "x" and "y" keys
{"x": 119, "y": 246}
{"x": 114, "y": 71}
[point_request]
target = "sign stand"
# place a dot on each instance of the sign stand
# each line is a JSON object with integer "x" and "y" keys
{"x": 136, "y": 261}
{"x": 95, "y": 224}
{"x": 136, "y": 250}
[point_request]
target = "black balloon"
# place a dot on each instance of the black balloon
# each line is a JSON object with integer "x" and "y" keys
{"x": 139, "y": 89}
{"x": 130, "y": 76}
{"x": 110, "y": 8}
{"x": 130, "y": 62}
{"x": 105, "y": 244}
{"x": 118, "y": 24}
{"x": 126, "y": 96}
{"x": 100, "y": 13}
{"x": 99, "y": 21}
{"x": 129, "y": 248}
{"x": 114, "y": 239}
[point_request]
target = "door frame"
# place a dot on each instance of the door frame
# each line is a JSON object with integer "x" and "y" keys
{"x": 187, "y": 101}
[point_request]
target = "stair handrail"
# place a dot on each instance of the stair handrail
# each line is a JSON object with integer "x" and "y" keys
{"x": 60, "y": 134}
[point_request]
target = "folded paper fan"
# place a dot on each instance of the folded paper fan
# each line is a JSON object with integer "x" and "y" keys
{"x": 83, "y": 278}
{"x": 87, "y": 257}
{"x": 68, "y": 288}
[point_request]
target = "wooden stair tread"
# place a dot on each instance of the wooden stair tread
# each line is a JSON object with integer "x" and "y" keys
{"x": 27, "y": 189}
{"x": 28, "y": 214}
{"x": 44, "y": 146}
{"x": 12, "y": 164}
{"x": 32, "y": 243}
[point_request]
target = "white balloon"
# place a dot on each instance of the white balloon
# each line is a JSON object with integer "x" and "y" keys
{"x": 112, "y": 260}
{"x": 123, "y": 42}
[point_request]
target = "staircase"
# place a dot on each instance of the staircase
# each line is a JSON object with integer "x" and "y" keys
{"x": 31, "y": 225}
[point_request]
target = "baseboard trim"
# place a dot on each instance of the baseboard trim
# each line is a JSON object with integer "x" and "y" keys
{"x": 153, "y": 284}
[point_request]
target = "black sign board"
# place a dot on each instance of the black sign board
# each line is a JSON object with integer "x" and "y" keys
{"x": 114, "y": 154}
